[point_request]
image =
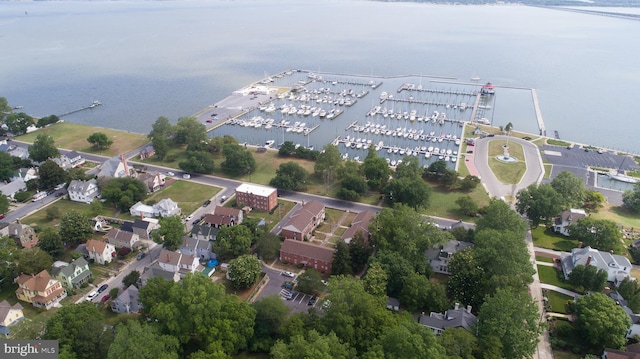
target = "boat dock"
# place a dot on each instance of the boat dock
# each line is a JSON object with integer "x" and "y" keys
{"x": 94, "y": 104}
{"x": 412, "y": 87}
{"x": 536, "y": 106}
{"x": 353, "y": 124}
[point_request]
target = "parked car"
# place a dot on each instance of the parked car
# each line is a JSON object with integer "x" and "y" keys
{"x": 105, "y": 298}
{"x": 92, "y": 295}
{"x": 288, "y": 274}
{"x": 170, "y": 173}
{"x": 141, "y": 255}
{"x": 223, "y": 198}
{"x": 206, "y": 203}
{"x": 2, "y": 215}
{"x": 103, "y": 288}
{"x": 190, "y": 217}
{"x": 312, "y": 301}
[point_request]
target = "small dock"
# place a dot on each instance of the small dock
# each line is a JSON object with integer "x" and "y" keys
{"x": 353, "y": 124}
{"x": 94, "y": 104}
{"x": 536, "y": 106}
{"x": 413, "y": 87}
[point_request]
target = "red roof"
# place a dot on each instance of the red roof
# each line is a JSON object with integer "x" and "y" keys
{"x": 305, "y": 249}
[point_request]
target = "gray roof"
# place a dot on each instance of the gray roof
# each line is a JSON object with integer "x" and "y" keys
{"x": 600, "y": 259}
{"x": 204, "y": 230}
{"x": 13, "y": 187}
{"x": 81, "y": 186}
{"x": 452, "y": 318}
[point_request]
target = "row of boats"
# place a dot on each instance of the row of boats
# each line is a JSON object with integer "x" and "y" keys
{"x": 409, "y": 134}
{"x": 269, "y": 123}
{"x": 435, "y": 117}
{"x": 303, "y": 111}
{"x": 427, "y": 151}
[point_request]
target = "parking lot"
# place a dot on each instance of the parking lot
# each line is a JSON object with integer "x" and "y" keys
{"x": 576, "y": 160}
{"x": 299, "y": 302}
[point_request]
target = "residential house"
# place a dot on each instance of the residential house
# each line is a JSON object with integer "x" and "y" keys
{"x": 10, "y": 314}
{"x": 452, "y": 318}
{"x": 305, "y": 253}
{"x": 142, "y": 210}
{"x": 261, "y": 198}
{"x": 101, "y": 252}
{"x": 359, "y": 224}
{"x": 147, "y": 151}
{"x": 393, "y": 304}
{"x": 127, "y": 302}
{"x": 116, "y": 167}
{"x": 567, "y": 218}
{"x": 204, "y": 232}
{"x": 69, "y": 160}
{"x": 13, "y": 187}
{"x": 142, "y": 228}
{"x": 617, "y": 267}
{"x": 196, "y": 247}
{"x": 235, "y": 214}
{"x": 83, "y": 191}
{"x": 177, "y": 262}
{"x": 632, "y": 352}
{"x": 440, "y": 255}
{"x": 153, "y": 181}
{"x": 26, "y": 174}
{"x": 165, "y": 208}
{"x": 17, "y": 151}
{"x": 218, "y": 221}
{"x": 156, "y": 270}
{"x": 72, "y": 275}
{"x": 123, "y": 239}
{"x": 40, "y": 290}
{"x": 23, "y": 234}
{"x": 303, "y": 222}
{"x": 634, "y": 329}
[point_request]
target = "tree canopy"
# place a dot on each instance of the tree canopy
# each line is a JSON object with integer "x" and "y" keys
{"x": 602, "y": 234}
{"x": 570, "y": 188}
{"x": 75, "y": 227}
{"x": 190, "y": 132}
{"x": 290, "y": 176}
{"x": 170, "y": 232}
{"x": 99, "y": 141}
{"x": 238, "y": 160}
{"x": 51, "y": 175}
{"x": 601, "y": 322}
{"x": 631, "y": 199}
{"x": 131, "y": 336}
{"x": 244, "y": 271}
{"x": 124, "y": 192}
{"x": 540, "y": 202}
{"x": 233, "y": 241}
{"x": 197, "y": 162}
{"x": 43, "y": 148}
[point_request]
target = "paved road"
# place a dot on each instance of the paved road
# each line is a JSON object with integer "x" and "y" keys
{"x": 495, "y": 188}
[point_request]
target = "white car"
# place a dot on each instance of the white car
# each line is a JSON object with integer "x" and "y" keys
{"x": 190, "y": 217}
{"x": 288, "y": 274}
{"x": 170, "y": 173}
{"x": 92, "y": 295}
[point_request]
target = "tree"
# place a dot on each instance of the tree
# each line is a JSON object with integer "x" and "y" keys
{"x": 355, "y": 183}
{"x": 310, "y": 282}
{"x": 359, "y": 252}
{"x": 408, "y": 340}
{"x": 268, "y": 246}
{"x": 4, "y": 106}
{"x": 467, "y": 283}
{"x": 593, "y": 200}
{"x": 132, "y": 335}
{"x": 199, "y": 314}
{"x": 17, "y": 123}
{"x": 271, "y": 313}
{"x": 450, "y": 179}
{"x": 540, "y": 202}
{"x": 99, "y": 140}
{"x": 602, "y": 234}
{"x": 413, "y": 295}
{"x": 170, "y": 232}
{"x": 6, "y": 166}
{"x": 51, "y": 175}
{"x": 413, "y": 192}
{"x": 75, "y": 228}
{"x": 311, "y": 344}
{"x": 437, "y": 168}
{"x": 467, "y": 205}
{"x": 34, "y": 260}
{"x": 43, "y": 148}
{"x": 4, "y": 203}
{"x": 570, "y": 188}
{"x": 238, "y": 160}
{"x": 469, "y": 182}
{"x": 341, "y": 259}
{"x": 233, "y": 241}
{"x": 601, "y": 322}
{"x": 47, "y": 120}
{"x": 51, "y": 242}
{"x": 499, "y": 216}
{"x": 376, "y": 171}
{"x": 328, "y": 163}
{"x": 631, "y": 199}
{"x": 512, "y": 317}
{"x": 131, "y": 278}
{"x": 589, "y": 278}
{"x": 375, "y": 282}
{"x": 197, "y": 162}
{"x": 286, "y": 149}
{"x": 161, "y": 147}
{"x": 9, "y": 256}
{"x": 80, "y": 328}
{"x": 290, "y": 176}
{"x": 458, "y": 343}
{"x": 191, "y": 132}
{"x": 123, "y": 192}
{"x": 244, "y": 271}
{"x": 396, "y": 267}
{"x": 162, "y": 128}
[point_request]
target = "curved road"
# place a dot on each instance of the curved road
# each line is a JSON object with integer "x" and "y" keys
{"x": 495, "y": 188}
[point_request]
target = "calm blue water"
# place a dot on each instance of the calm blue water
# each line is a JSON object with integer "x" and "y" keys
{"x": 148, "y": 59}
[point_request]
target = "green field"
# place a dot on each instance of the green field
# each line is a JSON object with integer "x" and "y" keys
{"x": 508, "y": 173}
{"x": 558, "y": 301}
{"x": 39, "y": 218}
{"x": 550, "y": 275}
{"x": 545, "y": 238}
{"x": 188, "y": 195}
{"x": 443, "y": 202}
{"x": 73, "y": 136}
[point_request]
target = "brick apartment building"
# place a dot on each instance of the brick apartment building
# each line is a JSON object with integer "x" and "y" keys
{"x": 261, "y": 198}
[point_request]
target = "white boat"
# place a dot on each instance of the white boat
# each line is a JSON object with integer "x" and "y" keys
{"x": 269, "y": 143}
{"x": 453, "y": 159}
{"x": 356, "y": 158}
{"x": 430, "y": 149}
{"x": 427, "y": 155}
{"x": 623, "y": 178}
{"x": 393, "y": 163}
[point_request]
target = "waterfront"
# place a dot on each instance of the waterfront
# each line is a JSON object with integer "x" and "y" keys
{"x": 174, "y": 58}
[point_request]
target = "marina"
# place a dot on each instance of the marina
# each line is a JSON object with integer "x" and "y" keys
{"x": 396, "y": 116}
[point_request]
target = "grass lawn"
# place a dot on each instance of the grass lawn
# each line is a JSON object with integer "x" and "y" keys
{"x": 550, "y": 275}
{"x": 545, "y": 238}
{"x": 552, "y": 142}
{"x": 188, "y": 195}
{"x": 547, "y": 170}
{"x": 275, "y": 217}
{"x": 39, "y": 219}
{"x": 544, "y": 259}
{"x": 561, "y": 354}
{"x": 443, "y": 202}
{"x": 558, "y": 301}
{"x": 507, "y": 172}
{"x": 73, "y": 136}
{"x": 619, "y": 215}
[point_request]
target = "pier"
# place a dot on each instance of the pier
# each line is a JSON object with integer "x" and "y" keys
{"x": 94, "y": 104}
{"x": 536, "y": 106}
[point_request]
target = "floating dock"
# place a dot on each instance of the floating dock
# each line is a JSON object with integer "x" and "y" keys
{"x": 536, "y": 106}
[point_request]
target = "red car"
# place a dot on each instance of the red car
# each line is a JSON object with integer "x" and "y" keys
{"x": 1, "y": 216}
{"x": 105, "y": 298}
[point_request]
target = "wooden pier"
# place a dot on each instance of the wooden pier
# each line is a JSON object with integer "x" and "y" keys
{"x": 536, "y": 106}
{"x": 94, "y": 104}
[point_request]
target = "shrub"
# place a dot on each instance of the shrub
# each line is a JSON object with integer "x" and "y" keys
{"x": 122, "y": 252}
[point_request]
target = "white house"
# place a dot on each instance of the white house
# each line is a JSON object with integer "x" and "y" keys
{"x": 617, "y": 267}
{"x": 116, "y": 167}
{"x": 165, "y": 208}
{"x": 70, "y": 160}
{"x": 13, "y": 187}
{"x": 177, "y": 262}
{"x": 10, "y": 314}
{"x": 566, "y": 219}
{"x": 101, "y": 252}
{"x": 83, "y": 191}
{"x": 440, "y": 255}
{"x": 127, "y": 301}
{"x": 198, "y": 247}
